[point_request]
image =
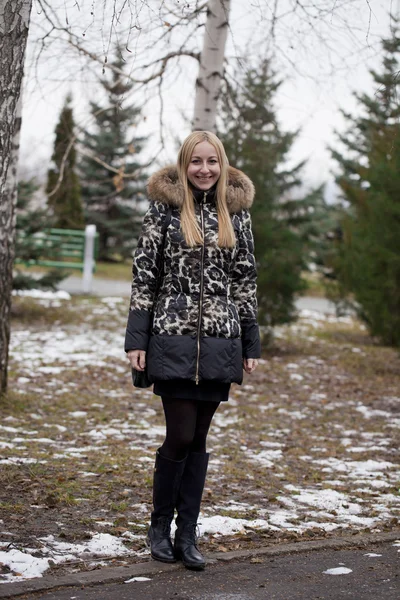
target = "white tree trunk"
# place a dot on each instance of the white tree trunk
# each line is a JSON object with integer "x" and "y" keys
{"x": 211, "y": 65}
{"x": 14, "y": 26}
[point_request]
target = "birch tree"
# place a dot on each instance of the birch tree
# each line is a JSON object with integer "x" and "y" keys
{"x": 211, "y": 65}
{"x": 14, "y": 25}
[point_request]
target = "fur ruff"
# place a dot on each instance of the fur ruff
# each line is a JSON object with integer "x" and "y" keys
{"x": 164, "y": 186}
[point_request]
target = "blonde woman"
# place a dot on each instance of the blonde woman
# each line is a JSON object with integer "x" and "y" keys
{"x": 201, "y": 331}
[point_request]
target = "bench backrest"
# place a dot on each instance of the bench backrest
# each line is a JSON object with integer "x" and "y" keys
{"x": 61, "y": 248}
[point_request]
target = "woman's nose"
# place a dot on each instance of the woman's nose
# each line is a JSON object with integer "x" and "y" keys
{"x": 204, "y": 167}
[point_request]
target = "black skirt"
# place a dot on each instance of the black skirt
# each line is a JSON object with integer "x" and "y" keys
{"x": 214, "y": 391}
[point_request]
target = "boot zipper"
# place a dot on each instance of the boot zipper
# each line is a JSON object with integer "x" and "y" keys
{"x": 201, "y": 289}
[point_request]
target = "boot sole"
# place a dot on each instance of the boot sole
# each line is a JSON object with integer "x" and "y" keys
{"x": 188, "y": 565}
{"x": 164, "y": 560}
{"x": 193, "y": 567}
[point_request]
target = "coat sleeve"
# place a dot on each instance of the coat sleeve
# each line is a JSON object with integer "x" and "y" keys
{"x": 144, "y": 278}
{"x": 244, "y": 287}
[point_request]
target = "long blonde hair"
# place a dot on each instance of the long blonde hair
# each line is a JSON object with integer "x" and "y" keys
{"x": 190, "y": 227}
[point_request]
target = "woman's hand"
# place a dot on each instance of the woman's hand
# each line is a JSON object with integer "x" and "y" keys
{"x": 137, "y": 358}
{"x": 250, "y": 364}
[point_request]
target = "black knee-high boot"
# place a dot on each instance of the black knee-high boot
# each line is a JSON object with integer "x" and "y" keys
{"x": 188, "y": 507}
{"x": 167, "y": 478}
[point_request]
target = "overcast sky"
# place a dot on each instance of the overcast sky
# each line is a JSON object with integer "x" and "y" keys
{"x": 321, "y": 59}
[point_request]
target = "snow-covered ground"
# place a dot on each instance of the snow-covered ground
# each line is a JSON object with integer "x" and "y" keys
{"x": 352, "y": 493}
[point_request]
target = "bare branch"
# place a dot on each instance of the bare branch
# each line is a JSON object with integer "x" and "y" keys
{"x": 62, "y": 166}
{"x": 164, "y": 62}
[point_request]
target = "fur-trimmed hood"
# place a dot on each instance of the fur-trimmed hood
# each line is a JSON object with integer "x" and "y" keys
{"x": 164, "y": 186}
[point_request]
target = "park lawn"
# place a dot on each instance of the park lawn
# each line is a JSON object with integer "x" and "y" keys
{"x": 306, "y": 448}
{"x": 104, "y": 270}
{"x": 123, "y": 272}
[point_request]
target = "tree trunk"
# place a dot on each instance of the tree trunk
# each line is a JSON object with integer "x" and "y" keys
{"x": 14, "y": 26}
{"x": 211, "y": 65}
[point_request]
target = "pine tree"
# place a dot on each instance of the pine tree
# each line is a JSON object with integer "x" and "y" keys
{"x": 65, "y": 198}
{"x": 110, "y": 199}
{"x": 368, "y": 255}
{"x": 282, "y": 227}
{"x": 30, "y": 222}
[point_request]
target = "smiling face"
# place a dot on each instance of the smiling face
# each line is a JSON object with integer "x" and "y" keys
{"x": 204, "y": 168}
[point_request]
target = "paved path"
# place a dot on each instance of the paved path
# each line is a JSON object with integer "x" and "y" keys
{"x": 369, "y": 573}
{"x": 107, "y": 287}
{"x": 100, "y": 287}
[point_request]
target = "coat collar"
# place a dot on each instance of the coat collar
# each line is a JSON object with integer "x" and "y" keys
{"x": 164, "y": 186}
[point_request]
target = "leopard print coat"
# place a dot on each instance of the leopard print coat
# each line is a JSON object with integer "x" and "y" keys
{"x": 205, "y": 314}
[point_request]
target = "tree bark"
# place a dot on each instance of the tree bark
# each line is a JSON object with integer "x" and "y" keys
{"x": 14, "y": 26}
{"x": 211, "y": 65}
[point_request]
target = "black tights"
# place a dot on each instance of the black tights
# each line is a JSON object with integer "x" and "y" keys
{"x": 188, "y": 422}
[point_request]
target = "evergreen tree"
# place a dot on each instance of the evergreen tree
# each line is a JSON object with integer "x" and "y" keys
{"x": 30, "y": 222}
{"x": 283, "y": 232}
{"x": 368, "y": 255}
{"x": 111, "y": 200}
{"x": 66, "y": 200}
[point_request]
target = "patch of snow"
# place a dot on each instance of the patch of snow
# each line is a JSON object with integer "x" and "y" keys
{"x": 228, "y": 525}
{"x": 372, "y": 554}
{"x": 25, "y": 566}
{"x": 112, "y": 299}
{"x": 6, "y": 445}
{"x": 271, "y": 444}
{"x": 50, "y": 370}
{"x": 318, "y": 396}
{"x": 133, "y": 536}
{"x": 266, "y": 458}
{"x": 60, "y": 428}
{"x": 21, "y": 461}
{"x": 73, "y": 348}
{"x": 137, "y": 579}
{"x": 338, "y": 571}
{"x": 42, "y": 294}
{"x": 369, "y": 413}
{"x": 101, "y": 544}
{"x": 296, "y": 376}
{"x": 22, "y": 565}
{"x": 368, "y": 449}
{"x": 295, "y": 414}
{"x": 355, "y": 468}
{"x": 224, "y": 420}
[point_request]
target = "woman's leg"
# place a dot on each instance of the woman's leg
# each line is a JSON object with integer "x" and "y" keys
{"x": 191, "y": 490}
{"x": 187, "y": 425}
{"x": 180, "y": 416}
{"x": 181, "y": 420}
{"x": 205, "y": 413}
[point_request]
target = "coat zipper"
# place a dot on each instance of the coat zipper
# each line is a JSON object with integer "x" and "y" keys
{"x": 201, "y": 289}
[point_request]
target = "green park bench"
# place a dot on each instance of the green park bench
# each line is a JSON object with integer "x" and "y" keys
{"x": 67, "y": 249}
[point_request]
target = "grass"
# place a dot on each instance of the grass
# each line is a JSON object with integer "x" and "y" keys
{"x": 104, "y": 270}
{"x": 316, "y": 286}
{"x": 27, "y": 311}
{"x": 116, "y": 271}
